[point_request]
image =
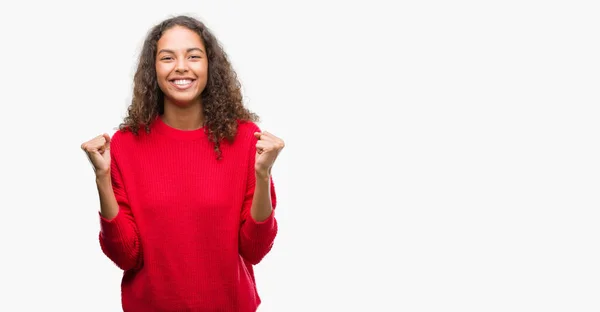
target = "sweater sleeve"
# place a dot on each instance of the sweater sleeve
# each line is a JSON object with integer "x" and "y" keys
{"x": 119, "y": 238}
{"x": 256, "y": 238}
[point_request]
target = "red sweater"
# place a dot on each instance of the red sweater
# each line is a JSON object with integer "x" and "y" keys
{"x": 184, "y": 235}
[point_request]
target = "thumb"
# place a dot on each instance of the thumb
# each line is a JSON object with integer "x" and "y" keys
{"x": 107, "y": 138}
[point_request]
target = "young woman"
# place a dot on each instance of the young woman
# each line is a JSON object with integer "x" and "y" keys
{"x": 186, "y": 195}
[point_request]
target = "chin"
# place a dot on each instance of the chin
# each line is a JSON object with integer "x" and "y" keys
{"x": 183, "y": 100}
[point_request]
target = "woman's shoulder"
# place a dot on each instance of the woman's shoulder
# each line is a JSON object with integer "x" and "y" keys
{"x": 246, "y": 128}
{"x": 122, "y": 133}
{"x": 125, "y": 136}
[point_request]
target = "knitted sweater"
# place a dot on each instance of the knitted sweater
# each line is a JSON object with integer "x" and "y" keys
{"x": 184, "y": 235}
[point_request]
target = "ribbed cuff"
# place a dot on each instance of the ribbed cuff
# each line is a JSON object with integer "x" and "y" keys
{"x": 113, "y": 229}
{"x": 265, "y": 226}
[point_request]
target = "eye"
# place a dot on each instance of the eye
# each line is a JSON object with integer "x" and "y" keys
{"x": 196, "y": 57}
{"x": 166, "y": 58}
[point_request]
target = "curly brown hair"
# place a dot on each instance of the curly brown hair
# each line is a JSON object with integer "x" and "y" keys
{"x": 222, "y": 104}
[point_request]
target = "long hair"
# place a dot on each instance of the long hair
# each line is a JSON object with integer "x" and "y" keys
{"x": 221, "y": 98}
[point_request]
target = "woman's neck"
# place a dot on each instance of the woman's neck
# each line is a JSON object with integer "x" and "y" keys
{"x": 188, "y": 117}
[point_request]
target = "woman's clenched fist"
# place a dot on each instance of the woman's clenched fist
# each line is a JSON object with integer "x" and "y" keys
{"x": 98, "y": 152}
{"x": 268, "y": 147}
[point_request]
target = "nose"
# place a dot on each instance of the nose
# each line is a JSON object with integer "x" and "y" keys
{"x": 181, "y": 65}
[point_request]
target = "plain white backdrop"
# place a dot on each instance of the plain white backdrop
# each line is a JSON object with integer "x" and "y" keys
{"x": 440, "y": 155}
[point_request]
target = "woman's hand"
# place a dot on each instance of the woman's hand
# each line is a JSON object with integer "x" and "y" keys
{"x": 267, "y": 150}
{"x": 98, "y": 153}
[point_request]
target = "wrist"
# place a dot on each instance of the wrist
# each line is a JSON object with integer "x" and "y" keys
{"x": 102, "y": 177}
{"x": 262, "y": 174}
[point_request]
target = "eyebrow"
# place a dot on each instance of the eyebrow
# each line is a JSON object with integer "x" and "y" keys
{"x": 171, "y": 51}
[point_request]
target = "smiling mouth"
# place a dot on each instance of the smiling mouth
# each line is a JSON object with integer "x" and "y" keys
{"x": 182, "y": 84}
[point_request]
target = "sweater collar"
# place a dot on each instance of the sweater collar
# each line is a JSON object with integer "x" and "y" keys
{"x": 161, "y": 127}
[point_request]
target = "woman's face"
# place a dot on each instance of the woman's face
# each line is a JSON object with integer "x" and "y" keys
{"x": 181, "y": 66}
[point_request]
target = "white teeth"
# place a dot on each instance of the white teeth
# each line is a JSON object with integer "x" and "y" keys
{"x": 182, "y": 82}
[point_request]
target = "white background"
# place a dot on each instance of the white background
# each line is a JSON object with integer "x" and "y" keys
{"x": 441, "y": 155}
